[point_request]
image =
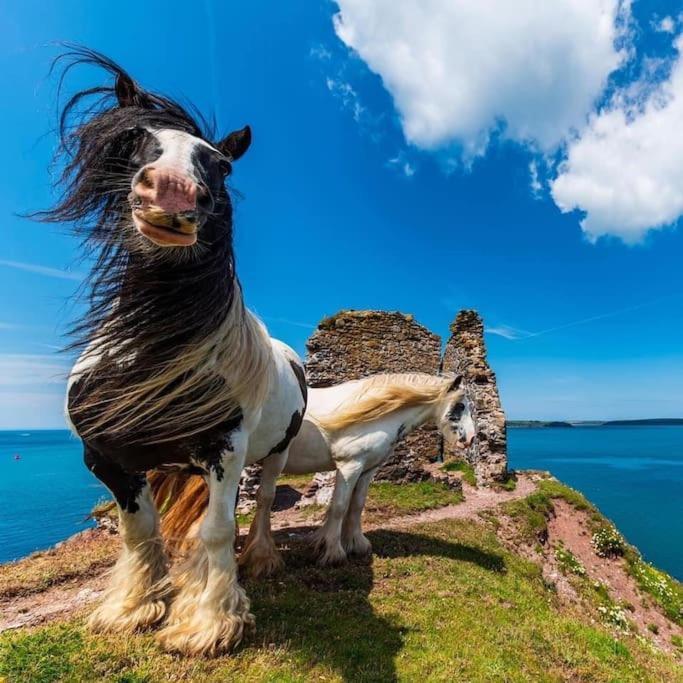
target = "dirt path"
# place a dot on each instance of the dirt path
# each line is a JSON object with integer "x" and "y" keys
{"x": 54, "y": 603}
{"x": 60, "y": 602}
{"x": 476, "y": 501}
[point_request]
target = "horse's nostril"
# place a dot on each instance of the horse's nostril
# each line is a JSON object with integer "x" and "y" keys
{"x": 189, "y": 216}
{"x": 146, "y": 179}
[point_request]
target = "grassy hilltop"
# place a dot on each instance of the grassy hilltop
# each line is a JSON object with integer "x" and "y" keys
{"x": 525, "y": 585}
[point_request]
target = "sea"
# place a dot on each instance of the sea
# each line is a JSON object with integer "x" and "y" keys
{"x": 634, "y": 474}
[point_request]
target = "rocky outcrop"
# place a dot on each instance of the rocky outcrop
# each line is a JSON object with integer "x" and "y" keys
{"x": 466, "y": 354}
{"x": 356, "y": 344}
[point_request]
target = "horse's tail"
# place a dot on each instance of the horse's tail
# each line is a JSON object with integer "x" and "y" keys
{"x": 181, "y": 500}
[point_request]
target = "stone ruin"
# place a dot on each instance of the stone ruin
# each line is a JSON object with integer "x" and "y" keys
{"x": 465, "y": 354}
{"x": 355, "y": 344}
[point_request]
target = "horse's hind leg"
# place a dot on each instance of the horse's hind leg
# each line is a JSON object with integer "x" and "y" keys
{"x": 353, "y": 539}
{"x": 260, "y": 556}
{"x": 138, "y": 584}
{"x": 211, "y": 611}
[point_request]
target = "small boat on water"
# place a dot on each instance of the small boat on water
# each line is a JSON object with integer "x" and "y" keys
{"x": 17, "y": 456}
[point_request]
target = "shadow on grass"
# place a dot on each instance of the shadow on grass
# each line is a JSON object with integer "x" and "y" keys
{"x": 324, "y": 615}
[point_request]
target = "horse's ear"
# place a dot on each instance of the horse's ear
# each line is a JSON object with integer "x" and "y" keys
{"x": 236, "y": 144}
{"x": 127, "y": 92}
{"x": 456, "y": 384}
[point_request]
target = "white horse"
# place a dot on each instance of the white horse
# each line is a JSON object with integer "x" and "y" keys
{"x": 352, "y": 428}
{"x": 175, "y": 371}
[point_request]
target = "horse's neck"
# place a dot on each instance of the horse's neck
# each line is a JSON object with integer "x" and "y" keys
{"x": 415, "y": 416}
{"x": 179, "y": 301}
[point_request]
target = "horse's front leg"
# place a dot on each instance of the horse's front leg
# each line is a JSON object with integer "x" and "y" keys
{"x": 138, "y": 588}
{"x": 327, "y": 539}
{"x": 211, "y": 611}
{"x": 260, "y": 556}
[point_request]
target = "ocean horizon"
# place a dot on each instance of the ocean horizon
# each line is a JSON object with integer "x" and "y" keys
{"x": 634, "y": 474}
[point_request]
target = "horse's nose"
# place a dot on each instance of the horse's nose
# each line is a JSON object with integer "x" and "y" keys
{"x": 167, "y": 189}
{"x": 466, "y": 440}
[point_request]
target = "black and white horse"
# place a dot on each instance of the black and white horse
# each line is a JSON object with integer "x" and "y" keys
{"x": 174, "y": 370}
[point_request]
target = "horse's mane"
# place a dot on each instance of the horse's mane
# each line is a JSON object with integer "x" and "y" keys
{"x": 382, "y": 395}
{"x": 198, "y": 353}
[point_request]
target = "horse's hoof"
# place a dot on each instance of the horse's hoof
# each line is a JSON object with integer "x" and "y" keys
{"x": 332, "y": 557}
{"x": 114, "y": 618}
{"x": 259, "y": 560}
{"x": 206, "y": 634}
{"x": 358, "y": 546}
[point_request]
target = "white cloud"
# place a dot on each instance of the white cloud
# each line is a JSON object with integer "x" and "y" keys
{"x": 401, "y": 163}
{"x": 42, "y": 270}
{"x": 534, "y": 179}
{"x": 347, "y": 96}
{"x": 458, "y": 70}
{"x": 625, "y": 170}
{"x": 320, "y": 52}
{"x": 665, "y": 25}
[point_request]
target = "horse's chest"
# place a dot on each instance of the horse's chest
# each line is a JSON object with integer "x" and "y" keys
{"x": 134, "y": 452}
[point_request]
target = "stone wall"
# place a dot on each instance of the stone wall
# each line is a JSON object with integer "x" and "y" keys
{"x": 355, "y": 344}
{"x": 466, "y": 354}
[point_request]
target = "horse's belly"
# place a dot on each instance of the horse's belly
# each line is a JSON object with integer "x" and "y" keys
{"x": 309, "y": 452}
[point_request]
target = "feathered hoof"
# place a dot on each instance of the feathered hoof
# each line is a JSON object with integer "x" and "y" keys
{"x": 206, "y": 633}
{"x": 332, "y": 556}
{"x": 329, "y": 553}
{"x": 260, "y": 559}
{"x": 358, "y": 546}
{"x": 112, "y": 617}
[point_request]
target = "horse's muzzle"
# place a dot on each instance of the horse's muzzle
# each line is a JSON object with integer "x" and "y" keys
{"x": 166, "y": 230}
{"x": 164, "y": 205}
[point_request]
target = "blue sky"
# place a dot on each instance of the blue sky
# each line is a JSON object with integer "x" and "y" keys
{"x": 523, "y": 167}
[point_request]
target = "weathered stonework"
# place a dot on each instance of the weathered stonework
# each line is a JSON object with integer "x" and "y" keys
{"x": 249, "y": 483}
{"x": 356, "y": 344}
{"x": 466, "y": 354}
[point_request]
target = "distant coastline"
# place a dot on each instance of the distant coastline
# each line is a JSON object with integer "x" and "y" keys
{"x": 652, "y": 422}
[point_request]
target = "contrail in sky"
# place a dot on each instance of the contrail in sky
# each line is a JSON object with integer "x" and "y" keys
{"x": 514, "y": 334}
{"x": 42, "y": 270}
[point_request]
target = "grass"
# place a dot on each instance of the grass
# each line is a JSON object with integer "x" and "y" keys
{"x": 386, "y": 500}
{"x": 468, "y": 474}
{"x": 532, "y": 514}
{"x": 442, "y": 602}
{"x": 297, "y": 481}
{"x": 568, "y": 563}
{"x": 664, "y": 589}
{"x": 391, "y": 499}
{"x": 508, "y": 484}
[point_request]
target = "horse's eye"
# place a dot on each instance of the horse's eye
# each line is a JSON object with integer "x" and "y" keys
{"x": 225, "y": 166}
{"x": 460, "y": 407}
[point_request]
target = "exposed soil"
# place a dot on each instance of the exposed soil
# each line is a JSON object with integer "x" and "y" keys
{"x": 571, "y": 528}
